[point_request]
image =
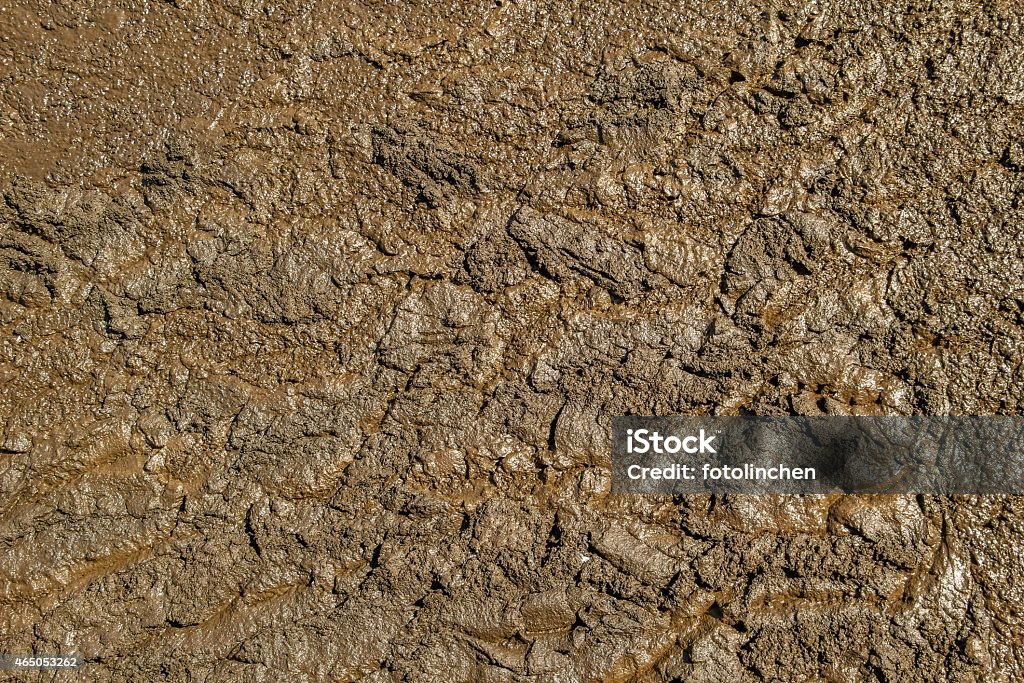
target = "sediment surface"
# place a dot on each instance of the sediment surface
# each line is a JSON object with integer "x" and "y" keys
{"x": 314, "y": 315}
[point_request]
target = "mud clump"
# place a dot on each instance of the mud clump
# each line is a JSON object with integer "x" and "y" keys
{"x": 314, "y": 320}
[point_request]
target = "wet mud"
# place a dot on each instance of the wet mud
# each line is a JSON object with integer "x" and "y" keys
{"x": 314, "y": 317}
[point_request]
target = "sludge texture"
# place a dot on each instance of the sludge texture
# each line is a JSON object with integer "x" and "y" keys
{"x": 315, "y": 316}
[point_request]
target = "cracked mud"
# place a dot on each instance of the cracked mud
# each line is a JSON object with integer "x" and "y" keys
{"x": 315, "y": 315}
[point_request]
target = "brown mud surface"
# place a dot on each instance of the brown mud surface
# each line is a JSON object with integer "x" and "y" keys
{"x": 313, "y": 317}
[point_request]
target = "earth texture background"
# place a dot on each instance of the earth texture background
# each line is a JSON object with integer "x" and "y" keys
{"x": 314, "y": 316}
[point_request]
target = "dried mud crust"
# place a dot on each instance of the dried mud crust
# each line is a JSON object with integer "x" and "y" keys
{"x": 314, "y": 317}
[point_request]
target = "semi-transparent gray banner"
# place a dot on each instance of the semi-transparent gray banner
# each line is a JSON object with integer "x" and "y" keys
{"x": 940, "y": 455}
